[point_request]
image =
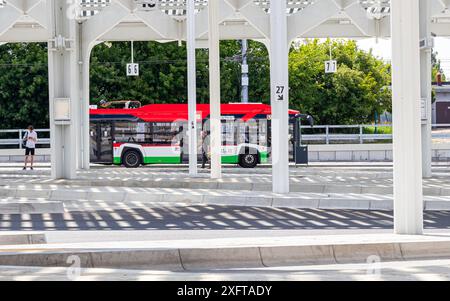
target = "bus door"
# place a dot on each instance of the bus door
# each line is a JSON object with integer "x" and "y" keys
{"x": 101, "y": 143}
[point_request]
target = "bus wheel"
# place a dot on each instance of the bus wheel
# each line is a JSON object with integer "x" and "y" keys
{"x": 248, "y": 160}
{"x": 131, "y": 158}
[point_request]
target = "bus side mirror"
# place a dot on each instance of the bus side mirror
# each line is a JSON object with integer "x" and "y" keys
{"x": 310, "y": 120}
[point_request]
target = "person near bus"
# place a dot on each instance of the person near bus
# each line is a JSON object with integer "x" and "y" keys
{"x": 29, "y": 138}
{"x": 204, "y": 146}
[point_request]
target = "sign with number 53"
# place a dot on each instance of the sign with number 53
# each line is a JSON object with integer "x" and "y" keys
{"x": 330, "y": 66}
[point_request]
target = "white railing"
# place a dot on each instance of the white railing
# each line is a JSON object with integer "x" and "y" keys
{"x": 18, "y": 134}
{"x": 327, "y": 137}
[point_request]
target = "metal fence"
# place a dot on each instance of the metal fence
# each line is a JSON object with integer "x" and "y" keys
{"x": 14, "y": 138}
{"x": 319, "y": 134}
{"x": 330, "y": 134}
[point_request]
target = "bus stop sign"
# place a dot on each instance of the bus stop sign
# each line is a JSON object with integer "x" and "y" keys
{"x": 132, "y": 69}
{"x": 330, "y": 66}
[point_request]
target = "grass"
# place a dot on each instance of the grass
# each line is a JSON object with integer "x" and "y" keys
{"x": 382, "y": 130}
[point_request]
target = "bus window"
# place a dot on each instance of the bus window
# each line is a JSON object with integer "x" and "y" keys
{"x": 167, "y": 133}
{"x": 291, "y": 140}
{"x": 128, "y": 132}
{"x": 242, "y": 130}
{"x": 162, "y": 133}
{"x": 101, "y": 142}
{"x": 262, "y": 132}
{"x": 252, "y": 131}
{"x": 228, "y": 132}
{"x": 151, "y": 132}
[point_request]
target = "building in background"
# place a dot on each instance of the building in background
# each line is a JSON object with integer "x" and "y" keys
{"x": 441, "y": 107}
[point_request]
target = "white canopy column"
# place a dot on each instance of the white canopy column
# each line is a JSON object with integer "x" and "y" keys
{"x": 90, "y": 35}
{"x": 85, "y": 139}
{"x": 192, "y": 87}
{"x": 64, "y": 89}
{"x": 279, "y": 77}
{"x": 408, "y": 202}
{"x": 214, "y": 91}
{"x": 425, "y": 79}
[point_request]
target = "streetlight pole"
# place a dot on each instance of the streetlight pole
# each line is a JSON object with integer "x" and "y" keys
{"x": 244, "y": 67}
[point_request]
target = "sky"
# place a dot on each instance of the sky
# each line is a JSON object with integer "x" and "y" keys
{"x": 382, "y": 49}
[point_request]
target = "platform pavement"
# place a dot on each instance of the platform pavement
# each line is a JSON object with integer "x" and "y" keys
{"x": 20, "y": 238}
{"x": 352, "y": 179}
{"x": 326, "y": 187}
{"x": 207, "y": 254}
{"x": 411, "y": 270}
{"x": 54, "y": 199}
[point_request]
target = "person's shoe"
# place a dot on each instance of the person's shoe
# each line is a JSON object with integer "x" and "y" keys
{"x": 24, "y": 168}
{"x": 31, "y": 168}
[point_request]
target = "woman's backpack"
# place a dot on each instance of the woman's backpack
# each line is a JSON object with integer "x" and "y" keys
{"x": 24, "y": 142}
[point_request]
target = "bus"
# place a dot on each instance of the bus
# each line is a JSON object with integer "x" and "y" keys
{"x": 157, "y": 134}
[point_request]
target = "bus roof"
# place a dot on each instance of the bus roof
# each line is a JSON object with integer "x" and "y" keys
{"x": 172, "y": 112}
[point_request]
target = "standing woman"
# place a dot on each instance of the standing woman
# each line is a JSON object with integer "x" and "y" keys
{"x": 205, "y": 148}
{"x": 30, "y": 139}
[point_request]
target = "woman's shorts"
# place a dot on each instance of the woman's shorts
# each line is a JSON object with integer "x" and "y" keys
{"x": 29, "y": 151}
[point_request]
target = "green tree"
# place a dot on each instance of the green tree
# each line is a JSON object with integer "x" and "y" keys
{"x": 436, "y": 65}
{"x": 162, "y": 76}
{"x": 23, "y": 85}
{"x": 350, "y": 96}
{"x": 163, "y": 71}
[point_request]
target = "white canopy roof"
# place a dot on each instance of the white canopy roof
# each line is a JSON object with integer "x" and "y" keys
{"x": 164, "y": 20}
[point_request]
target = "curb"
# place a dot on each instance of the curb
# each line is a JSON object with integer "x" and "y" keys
{"x": 188, "y": 259}
{"x": 31, "y": 207}
{"x": 22, "y": 239}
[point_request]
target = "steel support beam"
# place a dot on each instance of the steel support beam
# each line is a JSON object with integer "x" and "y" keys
{"x": 63, "y": 83}
{"x": 84, "y": 142}
{"x": 279, "y": 77}
{"x": 408, "y": 199}
{"x": 192, "y": 87}
{"x": 214, "y": 91}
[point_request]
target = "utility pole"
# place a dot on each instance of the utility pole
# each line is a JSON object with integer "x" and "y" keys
{"x": 244, "y": 67}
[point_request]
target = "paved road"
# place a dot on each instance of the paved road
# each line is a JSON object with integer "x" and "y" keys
{"x": 431, "y": 270}
{"x": 213, "y": 218}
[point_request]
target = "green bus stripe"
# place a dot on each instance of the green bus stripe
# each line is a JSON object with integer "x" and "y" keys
{"x": 163, "y": 160}
{"x": 233, "y": 159}
{"x": 264, "y": 157}
{"x": 230, "y": 159}
{"x": 155, "y": 160}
